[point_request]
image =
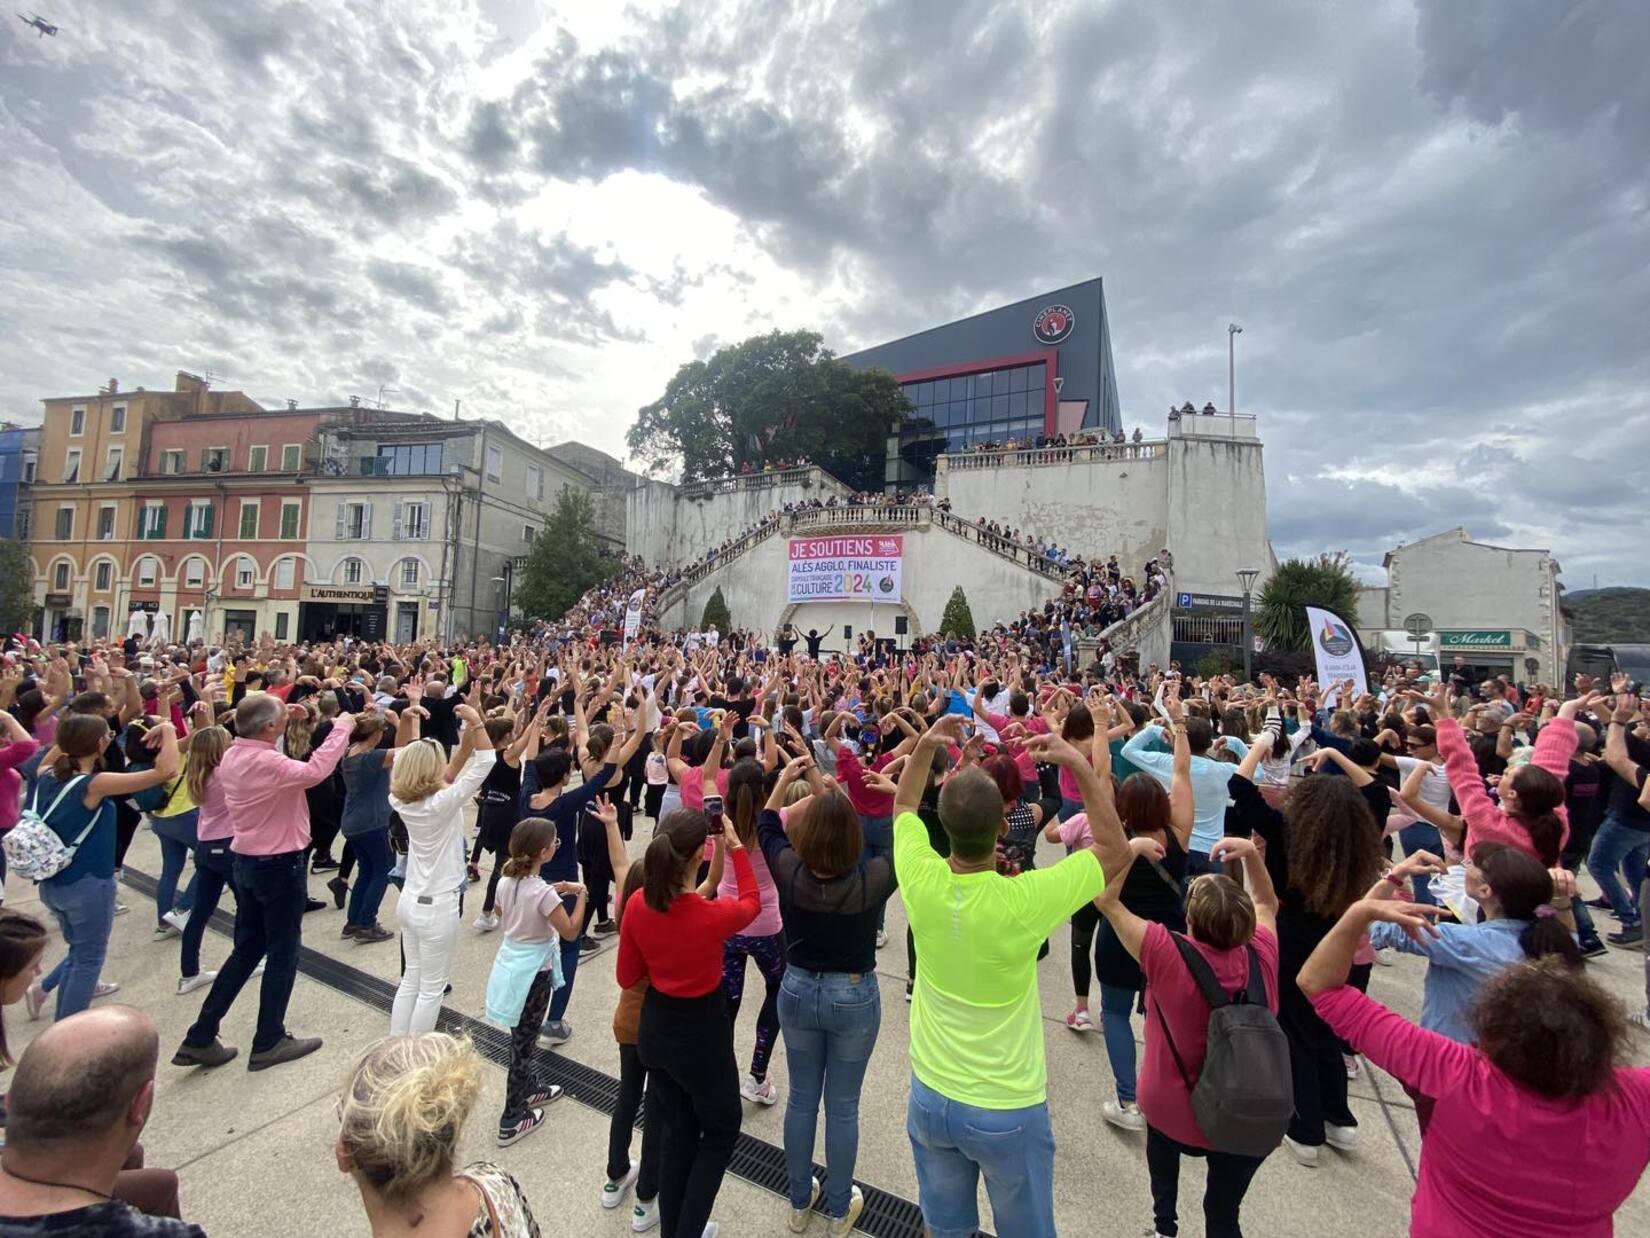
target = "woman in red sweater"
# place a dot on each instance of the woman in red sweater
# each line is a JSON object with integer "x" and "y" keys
{"x": 672, "y": 938}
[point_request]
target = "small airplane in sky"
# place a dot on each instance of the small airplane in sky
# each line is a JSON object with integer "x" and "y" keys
{"x": 39, "y": 23}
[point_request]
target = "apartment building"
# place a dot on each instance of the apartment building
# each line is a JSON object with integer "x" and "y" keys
{"x": 302, "y": 523}
{"x": 82, "y": 498}
{"x": 420, "y": 526}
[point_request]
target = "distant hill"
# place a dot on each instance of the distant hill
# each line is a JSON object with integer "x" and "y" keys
{"x": 1600, "y": 616}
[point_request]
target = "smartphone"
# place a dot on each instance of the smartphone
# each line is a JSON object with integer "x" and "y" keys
{"x": 713, "y": 806}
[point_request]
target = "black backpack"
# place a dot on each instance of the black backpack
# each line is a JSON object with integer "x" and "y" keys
{"x": 1244, "y": 1095}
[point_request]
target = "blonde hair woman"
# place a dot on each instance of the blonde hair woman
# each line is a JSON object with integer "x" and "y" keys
{"x": 432, "y": 810}
{"x": 214, "y": 866}
{"x": 401, "y": 1115}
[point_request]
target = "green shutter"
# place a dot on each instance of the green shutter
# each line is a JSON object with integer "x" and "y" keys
{"x": 206, "y": 524}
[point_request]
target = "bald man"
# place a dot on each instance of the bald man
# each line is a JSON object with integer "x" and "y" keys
{"x": 79, "y": 1099}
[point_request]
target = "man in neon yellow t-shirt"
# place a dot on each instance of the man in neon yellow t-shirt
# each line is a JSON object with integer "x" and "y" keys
{"x": 979, "y": 1101}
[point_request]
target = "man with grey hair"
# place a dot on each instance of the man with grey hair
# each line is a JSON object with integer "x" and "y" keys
{"x": 79, "y": 1099}
{"x": 269, "y": 816}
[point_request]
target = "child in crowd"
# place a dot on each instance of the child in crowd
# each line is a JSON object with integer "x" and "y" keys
{"x": 527, "y": 968}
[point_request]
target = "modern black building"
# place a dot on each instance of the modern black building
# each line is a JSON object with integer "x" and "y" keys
{"x": 1039, "y": 367}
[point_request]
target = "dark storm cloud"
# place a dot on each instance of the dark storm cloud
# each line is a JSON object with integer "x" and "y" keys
{"x": 1422, "y": 218}
{"x": 1431, "y": 217}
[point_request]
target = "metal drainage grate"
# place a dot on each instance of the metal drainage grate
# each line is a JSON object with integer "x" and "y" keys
{"x": 755, "y": 1160}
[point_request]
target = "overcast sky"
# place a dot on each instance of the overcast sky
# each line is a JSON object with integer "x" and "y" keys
{"x": 1432, "y": 218}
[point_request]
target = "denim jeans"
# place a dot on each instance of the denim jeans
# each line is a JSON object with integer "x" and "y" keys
{"x": 879, "y": 840}
{"x": 569, "y": 968}
{"x": 1116, "y": 1006}
{"x": 830, "y": 1021}
{"x": 954, "y": 1144}
{"x": 85, "y": 912}
{"x": 1422, "y": 837}
{"x": 270, "y": 892}
{"x": 214, "y": 869}
{"x": 177, "y": 839}
{"x": 1618, "y": 847}
{"x": 429, "y": 932}
{"x": 373, "y": 857}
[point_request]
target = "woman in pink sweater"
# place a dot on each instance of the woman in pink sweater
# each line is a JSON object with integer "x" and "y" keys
{"x": 1537, "y": 1130}
{"x": 1531, "y": 814}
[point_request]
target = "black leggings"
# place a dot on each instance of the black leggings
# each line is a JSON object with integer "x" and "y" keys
{"x": 686, "y": 1043}
{"x": 1229, "y": 1178}
{"x": 632, "y": 1085}
{"x": 1084, "y": 921}
{"x": 1316, "y": 1066}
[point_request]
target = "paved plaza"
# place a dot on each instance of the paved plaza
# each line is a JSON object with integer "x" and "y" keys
{"x": 254, "y": 1151}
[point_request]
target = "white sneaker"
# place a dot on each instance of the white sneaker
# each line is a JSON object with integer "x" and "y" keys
{"x": 1124, "y": 1114}
{"x": 105, "y": 988}
{"x": 1343, "y": 1137}
{"x": 121, "y": 909}
{"x": 257, "y": 971}
{"x": 188, "y": 984}
{"x": 1305, "y": 1155}
{"x": 1639, "y": 1019}
{"x": 842, "y": 1226}
{"x": 1351, "y": 1060}
{"x": 712, "y": 1229}
{"x": 644, "y": 1216}
{"x": 882, "y": 938}
{"x": 1080, "y": 1020}
{"x": 164, "y": 931}
{"x": 177, "y": 919}
{"x": 1386, "y": 957}
{"x": 763, "y": 1093}
{"x": 485, "y": 922}
{"x": 613, "y": 1192}
{"x": 34, "y": 998}
{"x": 801, "y": 1216}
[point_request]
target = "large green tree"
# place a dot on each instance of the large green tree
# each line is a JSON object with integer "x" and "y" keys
{"x": 780, "y": 396}
{"x": 16, "y": 587}
{"x": 1327, "y": 581}
{"x": 565, "y": 559}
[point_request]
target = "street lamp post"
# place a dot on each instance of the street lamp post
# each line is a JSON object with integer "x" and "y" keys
{"x": 1246, "y": 578}
{"x": 1232, "y": 332}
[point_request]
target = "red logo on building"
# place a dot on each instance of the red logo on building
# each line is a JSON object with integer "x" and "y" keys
{"x": 1054, "y": 324}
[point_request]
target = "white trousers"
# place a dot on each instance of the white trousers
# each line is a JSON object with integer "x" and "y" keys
{"x": 429, "y": 934}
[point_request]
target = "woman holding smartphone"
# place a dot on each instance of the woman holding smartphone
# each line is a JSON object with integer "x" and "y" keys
{"x": 673, "y": 938}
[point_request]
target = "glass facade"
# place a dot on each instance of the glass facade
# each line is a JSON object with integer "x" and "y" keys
{"x": 977, "y": 408}
{"x": 949, "y": 414}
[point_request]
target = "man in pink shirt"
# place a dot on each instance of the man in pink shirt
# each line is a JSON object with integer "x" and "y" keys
{"x": 264, "y": 793}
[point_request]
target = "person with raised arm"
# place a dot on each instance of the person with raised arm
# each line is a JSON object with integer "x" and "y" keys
{"x": 978, "y": 1102}
{"x": 269, "y": 816}
{"x": 1232, "y": 933}
{"x": 1506, "y": 1109}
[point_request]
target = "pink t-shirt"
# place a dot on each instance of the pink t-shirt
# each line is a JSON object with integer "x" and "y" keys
{"x": 1015, "y": 748}
{"x": 693, "y": 795}
{"x": 214, "y": 823}
{"x": 1075, "y": 832}
{"x": 1163, "y": 1095}
{"x": 1498, "y": 1159}
{"x": 767, "y": 921}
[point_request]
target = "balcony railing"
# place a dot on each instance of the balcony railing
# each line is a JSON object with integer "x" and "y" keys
{"x": 868, "y": 516}
{"x": 1038, "y": 457}
{"x": 804, "y": 475}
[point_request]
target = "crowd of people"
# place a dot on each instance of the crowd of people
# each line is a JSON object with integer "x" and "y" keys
{"x": 1233, "y": 860}
{"x": 1053, "y": 442}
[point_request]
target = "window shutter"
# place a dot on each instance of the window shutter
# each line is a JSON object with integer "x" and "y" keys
{"x": 206, "y": 521}
{"x": 366, "y": 522}
{"x": 400, "y": 507}
{"x": 340, "y": 534}
{"x": 160, "y": 524}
